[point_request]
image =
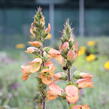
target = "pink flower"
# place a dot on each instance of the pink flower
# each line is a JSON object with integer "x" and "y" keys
{"x": 31, "y": 50}
{"x": 51, "y": 95}
{"x": 56, "y": 89}
{"x": 72, "y": 93}
{"x": 50, "y": 66}
{"x": 59, "y": 75}
{"x": 53, "y": 52}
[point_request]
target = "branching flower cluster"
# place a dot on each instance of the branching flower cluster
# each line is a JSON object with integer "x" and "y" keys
{"x": 45, "y": 71}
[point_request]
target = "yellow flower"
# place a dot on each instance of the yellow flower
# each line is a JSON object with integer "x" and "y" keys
{"x": 91, "y": 43}
{"x": 91, "y": 57}
{"x": 20, "y": 45}
{"x": 82, "y": 50}
{"x": 106, "y": 65}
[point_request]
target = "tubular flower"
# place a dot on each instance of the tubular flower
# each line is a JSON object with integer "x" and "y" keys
{"x": 46, "y": 76}
{"x": 31, "y": 50}
{"x": 36, "y": 43}
{"x": 56, "y": 89}
{"x": 26, "y": 71}
{"x": 80, "y": 107}
{"x": 31, "y": 67}
{"x": 84, "y": 83}
{"x": 86, "y": 75}
{"x": 36, "y": 64}
{"x": 53, "y": 53}
{"x": 72, "y": 93}
{"x": 50, "y": 66}
{"x": 51, "y": 95}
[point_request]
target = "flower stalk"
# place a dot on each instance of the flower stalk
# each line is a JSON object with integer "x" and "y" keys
{"x": 44, "y": 69}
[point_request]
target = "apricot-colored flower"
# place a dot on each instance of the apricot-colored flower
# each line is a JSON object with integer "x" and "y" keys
{"x": 36, "y": 43}
{"x": 48, "y": 29}
{"x": 53, "y": 53}
{"x": 71, "y": 55}
{"x": 106, "y": 65}
{"x": 26, "y": 69}
{"x": 64, "y": 46}
{"x": 91, "y": 57}
{"x": 32, "y": 67}
{"x": 84, "y": 83}
{"x": 85, "y": 75}
{"x": 46, "y": 76}
{"x": 36, "y": 64}
{"x": 51, "y": 95}
{"x": 56, "y": 89}
{"x": 72, "y": 93}
{"x": 80, "y": 107}
{"x": 20, "y": 45}
{"x": 50, "y": 66}
{"x": 46, "y": 79}
{"x": 91, "y": 43}
{"x": 31, "y": 50}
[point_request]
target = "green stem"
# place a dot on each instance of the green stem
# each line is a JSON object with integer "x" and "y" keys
{"x": 68, "y": 75}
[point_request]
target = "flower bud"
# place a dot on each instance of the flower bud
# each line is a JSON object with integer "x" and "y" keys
{"x": 48, "y": 29}
{"x": 71, "y": 55}
{"x": 64, "y": 46}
